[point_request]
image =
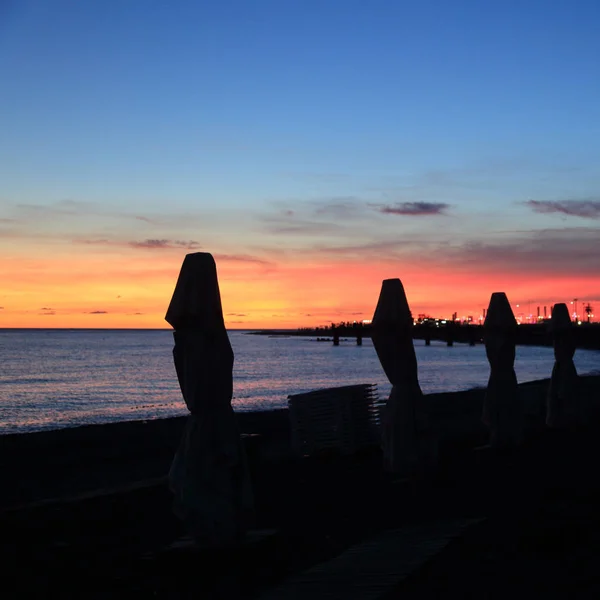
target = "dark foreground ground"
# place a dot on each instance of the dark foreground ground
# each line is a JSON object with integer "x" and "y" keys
{"x": 539, "y": 533}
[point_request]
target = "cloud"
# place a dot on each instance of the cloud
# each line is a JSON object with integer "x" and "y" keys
{"x": 323, "y": 216}
{"x": 146, "y": 220}
{"x": 98, "y": 312}
{"x": 165, "y": 244}
{"x": 71, "y": 210}
{"x": 286, "y": 225}
{"x": 236, "y": 315}
{"x": 413, "y": 209}
{"x": 1, "y": 307}
{"x": 149, "y": 243}
{"x": 93, "y": 242}
{"x": 384, "y": 250}
{"x": 46, "y": 308}
{"x": 47, "y": 313}
{"x": 244, "y": 258}
{"x": 586, "y": 209}
{"x": 62, "y": 208}
{"x": 344, "y": 207}
{"x": 544, "y": 253}
{"x": 548, "y": 252}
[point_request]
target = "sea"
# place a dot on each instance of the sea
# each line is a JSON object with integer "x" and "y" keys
{"x": 51, "y": 379}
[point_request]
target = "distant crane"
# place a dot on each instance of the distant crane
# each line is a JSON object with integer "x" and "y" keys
{"x": 589, "y": 309}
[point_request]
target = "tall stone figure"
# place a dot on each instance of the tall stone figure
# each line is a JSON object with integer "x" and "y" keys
{"x": 502, "y": 408}
{"x": 403, "y": 420}
{"x": 562, "y": 391}
{"x": 209, "y": 475}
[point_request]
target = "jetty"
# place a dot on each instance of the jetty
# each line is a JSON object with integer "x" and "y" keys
{"x": 586, "y": 335}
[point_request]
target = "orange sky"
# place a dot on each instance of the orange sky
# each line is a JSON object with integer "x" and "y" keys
{"x": 79, "y": 286}
{"x": 308, "y": 154}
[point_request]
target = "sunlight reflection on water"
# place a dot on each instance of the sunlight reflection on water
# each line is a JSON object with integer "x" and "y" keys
{"x": 59, "y": 378}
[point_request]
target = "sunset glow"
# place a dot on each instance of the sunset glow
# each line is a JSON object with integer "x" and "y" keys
{"x": 130, "y": 288}
{"x": 313, "y": 157}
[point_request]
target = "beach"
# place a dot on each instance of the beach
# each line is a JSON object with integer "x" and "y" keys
{"x": 91, "y": 504}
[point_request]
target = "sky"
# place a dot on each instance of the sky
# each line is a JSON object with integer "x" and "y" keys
{"x": 314, "y": 147}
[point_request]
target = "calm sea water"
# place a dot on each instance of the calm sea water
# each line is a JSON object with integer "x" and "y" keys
{"x": 62, "y": 378}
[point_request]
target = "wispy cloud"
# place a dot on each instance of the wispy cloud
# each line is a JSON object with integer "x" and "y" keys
{"x": 62, "y": 208}
{"x": 93, "y": 241}
{"x": 299, "y": 226}
{"x": 236, "y": 315}
{"x": 413, "y": 209}
{"x": 97, "y": 312}
{"x": 244, "y": 258}
{"x": 586, "y": 209}
{"x": 549, "y": 252}
{"x": 74, "y": 209}
{"x": 146, "y": 220}
{"x": 156, "y": 244}
{"x": 383, "y": 249}
{"x": 345, "y": 207}
{"x": 324, "y": 216}
{"x": 541, "y": 253}
{"x": 46, "y": 308}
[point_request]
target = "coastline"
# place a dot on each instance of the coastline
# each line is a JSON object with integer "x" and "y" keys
{"x": 125, "y": 539}
{"x": 49, "y": 463}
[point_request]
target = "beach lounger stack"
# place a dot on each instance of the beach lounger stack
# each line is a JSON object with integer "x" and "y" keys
{"x": 341, "y": 419}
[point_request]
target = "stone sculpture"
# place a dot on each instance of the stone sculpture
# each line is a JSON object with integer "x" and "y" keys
{"x": 209, "y": 475}
{"x": 502, "y": 407}
{"x": 562, "y": 391}
{"x": 403, "y": 420}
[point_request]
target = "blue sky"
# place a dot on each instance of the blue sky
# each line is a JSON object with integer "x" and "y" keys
{"x": 254, "y": 121}
{"x": 228, "y": 99}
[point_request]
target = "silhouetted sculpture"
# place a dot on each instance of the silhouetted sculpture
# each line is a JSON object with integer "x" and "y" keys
{"x": 209, "y": 474}
{"x": 403, "y": 421}
{"x": 562, "y": 391}
{"x": 502, "y": 408}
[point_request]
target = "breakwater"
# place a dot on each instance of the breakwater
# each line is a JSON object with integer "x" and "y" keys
{"x": 586, "y": 335}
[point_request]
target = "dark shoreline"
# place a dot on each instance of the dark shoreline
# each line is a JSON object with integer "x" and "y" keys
{"x": 53, "y": 462}
{"x": 317, "y": 508}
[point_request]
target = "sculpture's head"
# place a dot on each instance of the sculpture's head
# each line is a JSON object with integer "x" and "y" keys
{"x": 196, "y": 301}
{"x": 392, "y": 311}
